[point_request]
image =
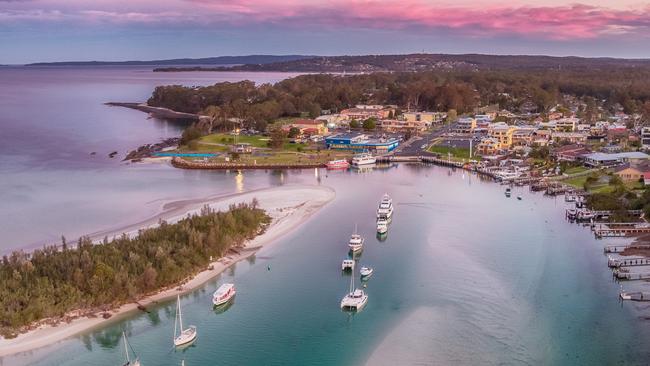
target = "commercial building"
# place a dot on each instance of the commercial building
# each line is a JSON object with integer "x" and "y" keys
{"x": 502, "y": 132}
{"x": 398, "y": 125}
{"x": 308, "y": 127}
{"x": 362, "y": 112}
{"x": 361, "y": 142}
{"x": 603, "y": 159}
{"x": 645, "y": 138}
{"x": 431, "y": 117}
{"x": 465, "y": 125}
{"x": 488, "y": 146}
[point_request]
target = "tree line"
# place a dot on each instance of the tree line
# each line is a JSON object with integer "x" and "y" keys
{"x": 52, "y": 281}
{"x": 245, "y": 103}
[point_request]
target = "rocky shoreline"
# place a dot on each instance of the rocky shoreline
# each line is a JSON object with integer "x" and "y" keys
{"x": 186, "y": 164}
{"x": 147, "y": 151}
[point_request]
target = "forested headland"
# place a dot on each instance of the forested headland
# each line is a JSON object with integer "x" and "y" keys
{"x": 50, "y": 282}
{"x": 441, "y": 90}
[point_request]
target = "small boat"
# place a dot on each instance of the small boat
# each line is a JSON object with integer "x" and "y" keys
{"x": 224, "y": 294}
{"x": 519, "y": 198}
{"x": 385, "y": 209}
{"x": 635, "y": 296}
{"x": 363, "y": 159}
{"x": 127, "y": 347}
{"x": 354, "y": 300}
{"x": 508, "y": 192}
{"x": 347, "y": 264}
{"x": 382, "y": 226}
{"x": 366, "y": 271}
{"x": 337, "y": 164}
{"x": 356, "y": 241}
{"x": 185, "y": 336}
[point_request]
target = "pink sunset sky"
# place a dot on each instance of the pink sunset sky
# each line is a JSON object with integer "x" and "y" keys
{"x": 35, "y": 30}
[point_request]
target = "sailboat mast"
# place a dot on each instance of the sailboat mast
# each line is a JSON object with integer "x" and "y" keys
{"x": 180, "y": 314}
{"x": 352, "y": 281}
{"x": 176, "y": 316}
{"x": 126, "y": 348}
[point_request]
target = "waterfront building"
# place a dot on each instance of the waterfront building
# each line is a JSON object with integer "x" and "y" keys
{"x": 630, "y": 173}
{"x": 573, "y": 152}
{"x": 523, "y": 136}
{"x": 604, "y": 160}
{"x": 333, "y": 120}
{"x": 488, "y": 146}
{"x": 361, "y": 142}
{"x": 241, "y": 148}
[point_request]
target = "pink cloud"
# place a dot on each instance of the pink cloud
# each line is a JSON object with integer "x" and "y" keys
{"x": 491, "y": 19}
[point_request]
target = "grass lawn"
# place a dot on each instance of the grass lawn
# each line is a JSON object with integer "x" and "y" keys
{"x": 216, "y": 141}
{"x": 287, "y": 157}
{"x": 578, "y": 182}
{"x": 457, "y": 153}
{"x": 576, "y": 170}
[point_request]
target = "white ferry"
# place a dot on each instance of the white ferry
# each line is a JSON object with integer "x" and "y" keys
{"x": 385, "y": 210}
{"x": 223, "y": 294}
{"x": 363, "y": 159}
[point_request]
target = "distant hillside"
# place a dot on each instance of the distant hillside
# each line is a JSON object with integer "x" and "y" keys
{"x": 422, "y": 62}
{"x": 221, "y": 60}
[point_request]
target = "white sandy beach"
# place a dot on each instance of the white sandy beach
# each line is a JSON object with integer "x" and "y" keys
{"x": 289, "y": 206}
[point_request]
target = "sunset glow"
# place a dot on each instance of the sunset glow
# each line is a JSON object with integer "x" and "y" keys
{"x": 422, "y": 24}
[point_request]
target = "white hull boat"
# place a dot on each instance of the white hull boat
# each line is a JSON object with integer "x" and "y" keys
{"x": 356, "y": 241}
{"x": 223, "y": 294}
{"x": 185, "y": 336}
{"x": 366, "y": 272}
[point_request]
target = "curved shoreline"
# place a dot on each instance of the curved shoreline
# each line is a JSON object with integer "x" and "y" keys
{"x": 288, "y": 206}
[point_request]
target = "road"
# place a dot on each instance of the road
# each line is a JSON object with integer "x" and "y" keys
{"x": 417, "y": 145}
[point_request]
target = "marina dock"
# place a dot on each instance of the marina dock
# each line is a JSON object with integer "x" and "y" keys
{"x": 631, "y": 276}
{"x": 621, "y": 248}
{"x": 627, "y": 262}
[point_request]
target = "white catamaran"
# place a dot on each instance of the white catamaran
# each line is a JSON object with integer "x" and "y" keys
{"x": 356, "y": 299}
{"x": 185, "y": 336}
{"x": 127, "y": 347}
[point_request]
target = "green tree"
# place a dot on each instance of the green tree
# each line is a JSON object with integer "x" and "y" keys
{"x": 293, "y": 132}
{"x": 277, "y": 138}
{"x": 452, "y": 115}
{"x": 354, "y": 124}
{"x": 370, "y": 124}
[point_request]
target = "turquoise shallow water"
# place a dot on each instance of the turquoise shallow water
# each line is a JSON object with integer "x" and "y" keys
{"x": 466, "y": 276}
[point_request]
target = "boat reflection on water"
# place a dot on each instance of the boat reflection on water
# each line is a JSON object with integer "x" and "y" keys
{"x": 219, "y": 309}
{"x": 382, "y": 236}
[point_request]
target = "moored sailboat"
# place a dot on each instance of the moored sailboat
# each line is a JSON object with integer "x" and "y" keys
{"x": 354, "y": 300}
{"x": 127, "y": 347}
{"x": 185, "y": 336}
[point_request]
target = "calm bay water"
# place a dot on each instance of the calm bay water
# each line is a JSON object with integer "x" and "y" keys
{"x": 466, "y": 276}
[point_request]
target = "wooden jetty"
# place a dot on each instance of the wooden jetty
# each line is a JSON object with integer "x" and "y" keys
{"x": 621, "y": 248}
{"x": 627, "y": 262}
{"x": 635, "y": 276}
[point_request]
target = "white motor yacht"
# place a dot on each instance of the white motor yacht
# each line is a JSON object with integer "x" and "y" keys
{"x": 366, "y": 271}
{"x": 347, "y": 264}
{"x": 356, "y": 241}
{"x": 223, "y": 294}
{"x": 363, "y": 159}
